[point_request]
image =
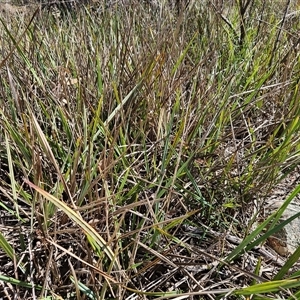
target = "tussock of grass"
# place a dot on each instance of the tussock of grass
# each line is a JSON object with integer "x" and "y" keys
{"x": 135, "y": 140}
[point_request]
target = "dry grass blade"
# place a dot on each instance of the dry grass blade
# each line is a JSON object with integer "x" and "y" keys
{"x": 158, "y": 255}
{"x": 105, "y": 275}
{"x": 11, "y": 175}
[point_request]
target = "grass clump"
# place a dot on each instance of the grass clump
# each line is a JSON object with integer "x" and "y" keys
{"x": 137, "y": 141}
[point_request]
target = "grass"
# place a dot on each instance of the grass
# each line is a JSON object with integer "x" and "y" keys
{"x": 138, "y": 142}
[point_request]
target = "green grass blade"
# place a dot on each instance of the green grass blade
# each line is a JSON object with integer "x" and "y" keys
{"x": 288, "y": 265}
{"x": 242, "y": 246}
{"x": 268, "y": 287}
{"x": 7, "y": 248}
{"x": 18, "y": 282}
{"x": 121, "y": 105}
{"x": 84, "y": 289}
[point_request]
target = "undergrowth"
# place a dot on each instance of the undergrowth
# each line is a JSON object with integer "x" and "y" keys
{"x": 135, "y": 138}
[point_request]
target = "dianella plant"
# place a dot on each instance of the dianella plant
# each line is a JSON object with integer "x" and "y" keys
{"x": 141, "y": 143}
